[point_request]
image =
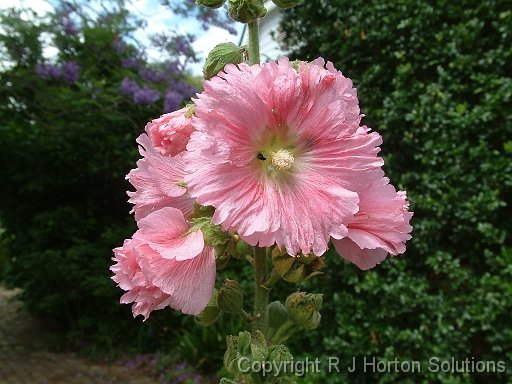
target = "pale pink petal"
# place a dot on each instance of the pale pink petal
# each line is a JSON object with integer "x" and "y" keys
{"x": 127, "y": 273}
{"x": 362, "y": 257}
{"x": 190, "y": 282}
{"x": 157, "y": 182}
{"x": 165, "y": 231}
{"x": 170, "y": 133}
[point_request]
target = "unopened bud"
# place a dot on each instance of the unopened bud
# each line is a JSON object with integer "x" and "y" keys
{"x": 298, "y": 268}
{"x": 246, "y": 11}
{"x": 222, "y": 54}
{"x": 211, "y": 313}
{"x": 211, "y": 3}
{"x": 286, "y": 3}
{"x": 279, "y": 355}
{"x": 303, "y": 309}
{"x": 277, "y": 314}
{"x": 231, "y": 297}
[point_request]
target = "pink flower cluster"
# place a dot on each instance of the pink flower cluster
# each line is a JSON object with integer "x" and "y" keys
{"x": 278, "y": 151}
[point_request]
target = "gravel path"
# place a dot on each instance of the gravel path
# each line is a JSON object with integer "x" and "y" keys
{"x": 25, "y": 360}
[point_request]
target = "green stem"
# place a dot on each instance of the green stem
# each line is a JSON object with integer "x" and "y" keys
{"x": 254, "y": 42}
{"x": 260, "y": 319}
{"x": 279, "y": 335}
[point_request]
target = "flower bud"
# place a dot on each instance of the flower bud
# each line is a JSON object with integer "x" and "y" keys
{"x": 222, "y": 54}
{"x": 211, "y": 3}
{"x": 246, "y": 11}
{"x": 277, "y": 314}
{"x": 303, "y": 309}
{"x": 231, "y": 297}
{"x": 211, "y": 313}
{"x": 286, "y": 3}
{"x": 279, "y": 355}
{"x": 298, "y": 268}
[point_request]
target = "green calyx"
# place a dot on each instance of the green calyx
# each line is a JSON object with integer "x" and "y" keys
{"x": 286, "y": 3}
{"x": 246, "y": 11}
{"x": 303, "y": 309}
{"x": 211, "y": 3}
{"x": 220, "y": 56}
{"x": 295, "y": 269}
{"x": 211, "y": 313}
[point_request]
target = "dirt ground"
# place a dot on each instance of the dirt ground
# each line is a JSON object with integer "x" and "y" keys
{"x": 25, "y": 359}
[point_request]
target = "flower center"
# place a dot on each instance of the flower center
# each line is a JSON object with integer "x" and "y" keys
{"x": 282, "y": 160}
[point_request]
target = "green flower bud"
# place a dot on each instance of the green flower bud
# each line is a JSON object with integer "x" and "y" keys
{"x": 259, "y": 348}
{"x": 231, "y": 297}
{"x": 279, "y": 355}
{"x": 298, "y": 268}
{"x": 232, "y": 355}
{"x": 303, "y": 309}
{"x": 211, "y": 313}
{"x": 277, "y": 314}
{"x": 286, "y": 3}
{"x": 222, "y": 54}
{"x": 211, "y": 3}
{"x": 246, "y": 11}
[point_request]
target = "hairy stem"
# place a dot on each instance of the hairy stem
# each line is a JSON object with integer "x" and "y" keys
{"x": 261, "y": 293}
{"x": 254, "y": 42}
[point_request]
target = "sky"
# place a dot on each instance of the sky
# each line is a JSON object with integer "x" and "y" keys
{"x": 158, "y": 19}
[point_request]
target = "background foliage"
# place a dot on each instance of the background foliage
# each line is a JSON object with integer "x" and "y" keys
{"x": 68, "y": 123}
{"x": 434, "y": 80}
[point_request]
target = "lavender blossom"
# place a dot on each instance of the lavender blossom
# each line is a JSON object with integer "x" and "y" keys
{"x": 146, "y": 95}
{"x": 130, "y": 62}
{"x": 119, "y": 46}
{"x": 129, "y": 86}
{"x": 71, "y": 71}
{"x": 70, "y": 27}
{"x": 172, "y": 101}
{"x": 152, "y": 75}
{"x": 48, "y": 70}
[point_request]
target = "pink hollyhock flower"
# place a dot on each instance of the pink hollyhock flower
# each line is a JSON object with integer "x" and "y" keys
{"x": 165, "y": 265}
{"x": 170, "y": 133}
{"x": 380, "y": 227}
{"x": 129, "y": 277}
{"x": 279, "y": 153}
{"x": 158, "y": 182}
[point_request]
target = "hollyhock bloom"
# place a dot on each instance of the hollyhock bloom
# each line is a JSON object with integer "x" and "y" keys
{"x": 157, "y": 182}
{"x": 129, "y": 277}
{"x": 165, "y": 265}
{"x": 380, "y": 227}
{"x": 171, "y": 132}
{"x": 280, "y": 154}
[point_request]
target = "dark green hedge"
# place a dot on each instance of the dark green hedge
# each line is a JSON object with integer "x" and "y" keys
{"x": 434, "y": 79}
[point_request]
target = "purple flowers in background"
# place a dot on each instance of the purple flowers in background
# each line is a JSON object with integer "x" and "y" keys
{"x": 129, "y": 86}
{"x": 130, "y": 62}
{"x": 155, "y": 76}
{"x": 69, "y": 71}
{"x": 146, "y": 95}
{"x": 172, "y": 101}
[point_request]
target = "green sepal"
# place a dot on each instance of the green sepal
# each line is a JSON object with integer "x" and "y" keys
{"x": 220, "y": 56}
{"x": 246, "y": 11}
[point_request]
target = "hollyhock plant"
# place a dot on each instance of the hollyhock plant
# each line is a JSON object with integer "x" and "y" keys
{"x": 271, "y": 162}
{"x": 280, "y": 154}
